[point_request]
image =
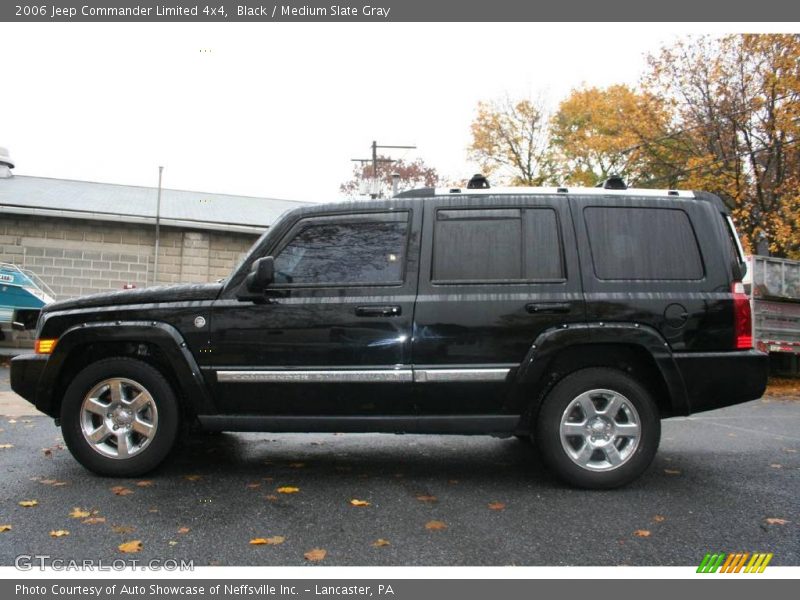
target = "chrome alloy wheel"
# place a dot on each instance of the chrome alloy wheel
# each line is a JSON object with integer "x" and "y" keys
{"x": 119, "y": 418}
{"x": 600, "y": 430}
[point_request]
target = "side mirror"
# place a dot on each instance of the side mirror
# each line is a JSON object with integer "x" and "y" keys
{"x": 261, "y": 275}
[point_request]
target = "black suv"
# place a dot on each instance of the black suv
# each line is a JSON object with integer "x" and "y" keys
{"x": 578, "y": 317}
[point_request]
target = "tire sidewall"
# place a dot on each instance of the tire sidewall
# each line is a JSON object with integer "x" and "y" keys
{"x": 166, "y": 404}
{"x": 548, "y": 423}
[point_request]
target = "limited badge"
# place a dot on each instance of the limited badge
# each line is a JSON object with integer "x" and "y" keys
{"x": 199, "y": 322}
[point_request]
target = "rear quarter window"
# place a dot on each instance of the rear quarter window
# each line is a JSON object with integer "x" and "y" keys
{"x": 642, "y": 244}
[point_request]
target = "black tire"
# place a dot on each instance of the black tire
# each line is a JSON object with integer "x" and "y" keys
{"x": 549, "y": 422}
{"x": 162, "y": 439}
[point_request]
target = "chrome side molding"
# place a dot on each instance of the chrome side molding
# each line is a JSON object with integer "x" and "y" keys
{"x": 402, "y": 375}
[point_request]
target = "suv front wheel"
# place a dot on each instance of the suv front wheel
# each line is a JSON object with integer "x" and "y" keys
{"x": 119, "y": 417}
{"x": 598, "y": 428}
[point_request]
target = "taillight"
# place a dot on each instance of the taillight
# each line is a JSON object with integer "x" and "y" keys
{"x": 742, "y": 317}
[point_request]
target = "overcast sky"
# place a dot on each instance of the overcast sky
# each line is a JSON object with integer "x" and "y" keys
{"x": 278, "y": 110}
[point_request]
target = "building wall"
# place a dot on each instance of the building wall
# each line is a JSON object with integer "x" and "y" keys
{"x": 77, "y": 257}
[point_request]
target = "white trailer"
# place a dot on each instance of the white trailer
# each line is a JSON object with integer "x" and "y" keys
{"x": 773, "y": 285}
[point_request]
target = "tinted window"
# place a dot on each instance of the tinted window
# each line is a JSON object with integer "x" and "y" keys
{"x": 366, "y": 252}
{"x": 642, "y": 243}
{"x": 496, "y": 245}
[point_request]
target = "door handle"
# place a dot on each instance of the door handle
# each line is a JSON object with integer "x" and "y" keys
{"x": 378, "y": 311}
{"x": 547, "y": 307}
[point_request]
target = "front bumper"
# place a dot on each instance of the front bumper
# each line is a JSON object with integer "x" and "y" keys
{"x": 26, "y": 370}
{"x": 717, "y": 379}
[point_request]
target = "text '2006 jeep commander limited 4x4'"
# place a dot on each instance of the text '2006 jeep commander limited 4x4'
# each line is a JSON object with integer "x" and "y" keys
{"x": 580, "y": 317}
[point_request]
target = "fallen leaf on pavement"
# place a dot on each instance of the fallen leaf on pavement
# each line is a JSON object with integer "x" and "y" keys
{"x": 94, "y": 520}
{"x": 79, "y": 513}
{"x": 297, "y": 465}
{"x": 193, "y": 477}
{"x": 130, "y": 547}
{"x": 270, "y": 541}
{"x": 59, "y": 533}
{"x": 253, "y": 486}
{"x": 435, "y": 525}
{"x": 659, "y": 518}
{"x": 496, "y": 506}
{"x": 122, "y": 529}
{"x": 776, "y": 466}
{"x": 426, "y": 498}
{"x": 145, "y": 483}
{"x": 288, "y": 490}
{"x": 315, "y": 554}
{"x": 4, "y": 528}
{"x": 59, "y": 483}
{"x": 183, "y": 530}
{"x": 672, "y": 471}
{"x": 48, "y": 481}
{"x": 357, "y": 502}
{"x": 380, "y": 542}
{"x": 641, "y": 533}
{"x": 120, "y": 490}
{"x": 775, "y": 521}
{"x": 47, "y": 451}
{"x": 4, "y": 446}
{"x": 28, "y": 503}
{"x": 271, "y": 497}
{"x": 173, "y": 543}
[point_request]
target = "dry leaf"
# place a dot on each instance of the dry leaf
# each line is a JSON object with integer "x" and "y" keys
{"x": 59, "y": 483}
{"x": 253, "y": 486}
{"x": 270, "y": 541}
{"x": 94, "y": 520}
{"x": 297, "y": 465}
{"x": 271, "y": 497}
{"x": 496, "y": 506}
{"x": 672, "y": 471}
{"x": 193, "y": 477}
{"x": 775, "y": 521}
{"x": 145, "y": 483}
{"x": 122, "y": 529}
{"x": 4, "y": 528}
{"x": 315, "y": 554}
{"x": 173, "y": 543}
{"x": 152, "y": 509}
{"x": 48, "y": 481}
{"x": 357, "y": 502}
{"x": 435, "y": 525}
{"x": 12, "y": 421}
{"x": 452, "y": 481}
{"x": 424, "y": 498}
{"x": 380, "y": 542}
{"x": 4, "y": 446}
{"x": 28, "y": 503}
{"x": 79, "y": 513}
{"x": 288, "y": 490}
{"x": 120, "y": 490}
{"x": 183, "y": 530}
{"x": 59, "y": 533}
{"x": 47, "y": 451}
{"x": 776, "y": 466}
{"x": 659, "y": 518}
{"x": 641, "y": 533}
{"x": 130, "y": 547}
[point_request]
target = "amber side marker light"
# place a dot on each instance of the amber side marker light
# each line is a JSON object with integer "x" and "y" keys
{"x": 44, "y": 346}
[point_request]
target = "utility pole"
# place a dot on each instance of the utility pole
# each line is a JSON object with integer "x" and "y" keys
{"x": 375, "y": 160}
{"x": 158, "y": 226}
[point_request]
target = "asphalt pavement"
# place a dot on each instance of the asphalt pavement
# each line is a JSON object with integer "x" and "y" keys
{"x": 727, "y": 480}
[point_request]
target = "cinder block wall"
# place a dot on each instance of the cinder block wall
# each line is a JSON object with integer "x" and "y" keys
{"x": 77, "y": 257}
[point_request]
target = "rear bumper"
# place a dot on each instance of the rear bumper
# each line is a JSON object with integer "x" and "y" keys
{"x": 717, "y": 379}
{"x": 26, "y": 370}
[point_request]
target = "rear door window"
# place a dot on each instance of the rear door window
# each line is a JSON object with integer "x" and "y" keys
{"x": 642, "y": 244}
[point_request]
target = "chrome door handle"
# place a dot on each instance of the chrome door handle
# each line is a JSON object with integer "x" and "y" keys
{"x": 378, "y": 311}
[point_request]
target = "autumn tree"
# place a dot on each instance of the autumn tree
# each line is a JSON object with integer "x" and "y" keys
{"x": 510, "y": 140}
{"x": 412, "y": 174}
{"x": 598, "y": 132}
{"x": 736, "y": 103}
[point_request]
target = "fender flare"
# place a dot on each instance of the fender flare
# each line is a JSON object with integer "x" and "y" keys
{"x": 552, "y": 341}
{"x": 163, "y": 335}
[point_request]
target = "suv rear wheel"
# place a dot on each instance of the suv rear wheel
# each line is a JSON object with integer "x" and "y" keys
{"x": 598, "y": 428}
{"x": 119, "y": 417}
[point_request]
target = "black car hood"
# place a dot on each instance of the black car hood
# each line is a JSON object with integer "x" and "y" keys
{"x": 168, "y": 293}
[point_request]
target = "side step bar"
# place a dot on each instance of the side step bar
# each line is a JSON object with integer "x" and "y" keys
{"x": 463, "y": 424}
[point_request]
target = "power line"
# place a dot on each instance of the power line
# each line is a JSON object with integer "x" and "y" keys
{"x": 375, "y": 160}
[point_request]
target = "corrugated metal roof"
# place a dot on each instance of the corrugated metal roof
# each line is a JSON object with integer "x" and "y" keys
{"x": 104, "y": 201}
